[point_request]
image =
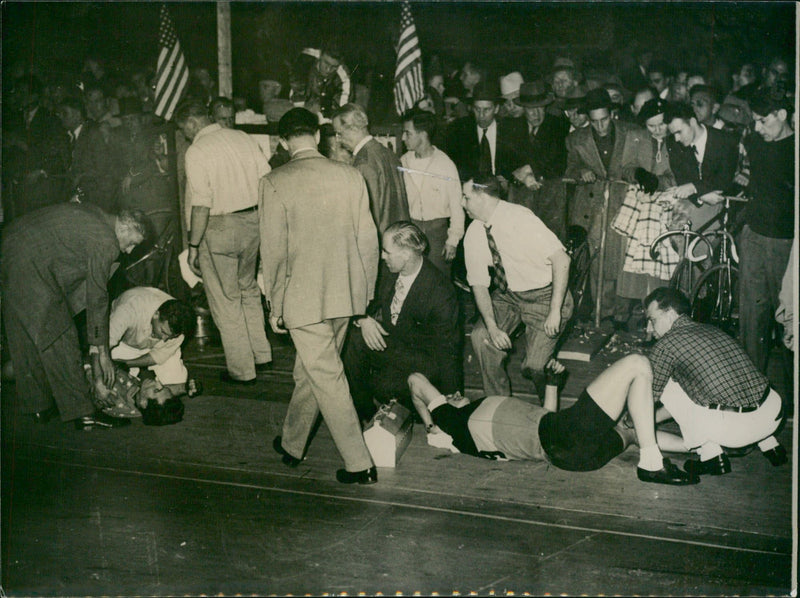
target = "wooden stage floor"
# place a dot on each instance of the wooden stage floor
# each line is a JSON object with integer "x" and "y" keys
{"x": 206, "y": 507}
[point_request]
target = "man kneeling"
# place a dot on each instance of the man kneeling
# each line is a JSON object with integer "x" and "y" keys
{"x": 583, "y": 437}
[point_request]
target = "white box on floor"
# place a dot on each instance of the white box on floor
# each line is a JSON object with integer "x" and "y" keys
{"x": 388, "y": 434}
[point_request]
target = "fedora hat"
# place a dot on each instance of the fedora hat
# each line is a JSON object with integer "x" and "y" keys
{"x": 486, "y": 91}
{"x": 534, "y": 94}
{"x": 129, "y": 106}
{"x": 596, "y": 99}
{"x": 510, "y": 84}
{"x": 575, "y": 97}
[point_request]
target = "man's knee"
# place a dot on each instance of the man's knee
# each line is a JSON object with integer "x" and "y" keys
{"x": 638, "y": 366}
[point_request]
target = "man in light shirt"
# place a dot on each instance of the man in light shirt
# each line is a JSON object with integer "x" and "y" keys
{"x": 433, "y": 189}
{"x": 529, "y": 279}
{"x": 223, "y": 167}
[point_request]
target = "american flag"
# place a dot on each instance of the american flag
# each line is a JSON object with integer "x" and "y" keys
{"x": 408, "y": 85}
{"x": 172, "y": 73}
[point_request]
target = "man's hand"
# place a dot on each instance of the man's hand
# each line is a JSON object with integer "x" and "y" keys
{"x": 106, "y": 371}
{"x": 194, "y": 261}
{"x": 499, "y": 339}
{"x": 587, "y": 176}
{"x": 532, "y": 183}
{"x": 126, "y": 183}
{"x": 372, "y": 333}
{"x": 276, "y": 323}
{"x": 712, "y": 198}
{"x": 521, "y": 172}
{"x": 449, "y": 252}
{"x": 684, "y": 191}
{"x": 552, "y": 324}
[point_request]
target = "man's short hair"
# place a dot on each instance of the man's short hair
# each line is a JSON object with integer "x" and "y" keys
{"x": 220, "y": 102}
{"x": 423, "y": 121}
{"x": 179, "y": 315}
{"x": 663, "y": 67}
{"x": 408, "y": 235}
{"x": 764, "y": 103}
{"x": 352, "y": 116}
{"x": 668, "y": 297}
{"x": 489, "y": 184}
{"x": 136, "y": 220}
{"x": 191, "y": 108}
{"x": 298, "y": 122}
{"x": 709, "y": 90}
{"x": 680, "y": 110}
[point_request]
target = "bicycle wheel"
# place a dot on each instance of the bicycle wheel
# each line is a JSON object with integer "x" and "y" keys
{"x": 715, "y": 298}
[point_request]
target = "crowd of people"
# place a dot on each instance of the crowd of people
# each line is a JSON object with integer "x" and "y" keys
{"x": 362, "y": 250}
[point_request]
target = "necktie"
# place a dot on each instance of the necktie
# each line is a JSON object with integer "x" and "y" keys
{"x": 499, "y": 276}
{"x": 697, "y": 159}
{"x": 397, "y": 300}
{"x": 485, "y": 161}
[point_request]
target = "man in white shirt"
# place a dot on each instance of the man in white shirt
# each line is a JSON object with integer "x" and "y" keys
{"x": 433, "y": 189}
{"x": 531, "y": 269}
{"x": 223, "y": 168}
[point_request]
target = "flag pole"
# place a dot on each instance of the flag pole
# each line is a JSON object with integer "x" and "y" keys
{"x": 224, "y": 49}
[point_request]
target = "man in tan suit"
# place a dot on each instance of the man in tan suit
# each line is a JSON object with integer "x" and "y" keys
{"x": 319, "y": 252}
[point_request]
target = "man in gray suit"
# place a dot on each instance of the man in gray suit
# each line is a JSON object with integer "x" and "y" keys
{"x": 56, "y": 263}
{"x": 378, "y": 164}
{"x": 319, "y": 253}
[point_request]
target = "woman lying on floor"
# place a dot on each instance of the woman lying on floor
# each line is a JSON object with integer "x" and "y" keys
{"x": 583, "y": 437}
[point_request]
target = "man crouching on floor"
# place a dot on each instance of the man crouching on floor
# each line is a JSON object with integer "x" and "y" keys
{"x": 583, "y": 437}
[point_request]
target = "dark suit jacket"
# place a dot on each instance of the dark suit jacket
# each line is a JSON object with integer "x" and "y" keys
{"x": 546, "y": 152}
{"x": 463, "y": 146}
{"x": 719, "y": 162}
{"x": 57, "y": 262}
{"x": 387, "y": 190}
{"x": 96, "y": 167}
{"x": 427, "y": 337}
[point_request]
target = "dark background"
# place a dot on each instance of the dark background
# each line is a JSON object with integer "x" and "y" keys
{"x": 504, "y": 36}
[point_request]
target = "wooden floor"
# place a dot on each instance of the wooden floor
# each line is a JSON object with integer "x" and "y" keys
{"x": 206, "y": 507}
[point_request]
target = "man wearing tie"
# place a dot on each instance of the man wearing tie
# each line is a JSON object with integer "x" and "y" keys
{"x": 529, "y": 278}
{"x": 703, "y": 160}
{"x": 413, "y": 325}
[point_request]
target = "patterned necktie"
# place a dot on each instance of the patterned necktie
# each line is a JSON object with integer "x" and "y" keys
{"x": 397, "y": 300}
{"x": 485, "y": 160}
{"x": 499, "y": 276}
{"x": 697, "y": 159}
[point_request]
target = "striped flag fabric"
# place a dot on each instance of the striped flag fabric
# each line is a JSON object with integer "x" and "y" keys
{"x": 409, "y": 87}
{"x": 172, "y": 74}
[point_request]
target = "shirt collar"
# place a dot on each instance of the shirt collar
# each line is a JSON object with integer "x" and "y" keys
{"x": 361, "y": 144}
{"x": 489, "y": 130}
{"x": 700, "y": 143}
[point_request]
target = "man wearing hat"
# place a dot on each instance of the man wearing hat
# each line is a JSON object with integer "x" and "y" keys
{"x": 480, "y": 143}
{"x": 573, "y": 109}
{"x": 509, "y": 89}
{"x": 545, "y": 155}
{"x": 594, "y": 159}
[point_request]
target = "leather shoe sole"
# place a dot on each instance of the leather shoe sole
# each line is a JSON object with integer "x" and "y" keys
{"x": 366, "y": 476}
{"x": 42, "y": 417}
{"x": 668, "y": 474}
{"x": 100, "y": 420}
{"x": 228, "y": 379}
{"x": 286, "y": 458}
{"x": 777, "y": 456}
{"x": 719, "y": 465}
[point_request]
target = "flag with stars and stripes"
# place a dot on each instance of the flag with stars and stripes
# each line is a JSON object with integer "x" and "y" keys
{"x": 172, "y": 73}
{"x": 409, "y": 87}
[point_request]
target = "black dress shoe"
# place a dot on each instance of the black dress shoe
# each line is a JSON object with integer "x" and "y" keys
{"x": 286, "y": 458}
{"x": 668, "y": 474}
{"x": 42, "y": 417}
{"x": 100, "y": 420}
{"x": 776, "y": 456}
{"x": 719, "y": 465}
{"x": 228, "y": 379}
{"x": 366, "y": 476}
{"x": 264, "y": 367}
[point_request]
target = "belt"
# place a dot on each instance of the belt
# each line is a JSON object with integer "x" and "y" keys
{"x": 747, "y": 409}
{"x": 245, "y": 210}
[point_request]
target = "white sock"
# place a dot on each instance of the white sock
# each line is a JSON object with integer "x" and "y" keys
{"x": 767, "y": 444}
{"x": 650, "y": 458}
